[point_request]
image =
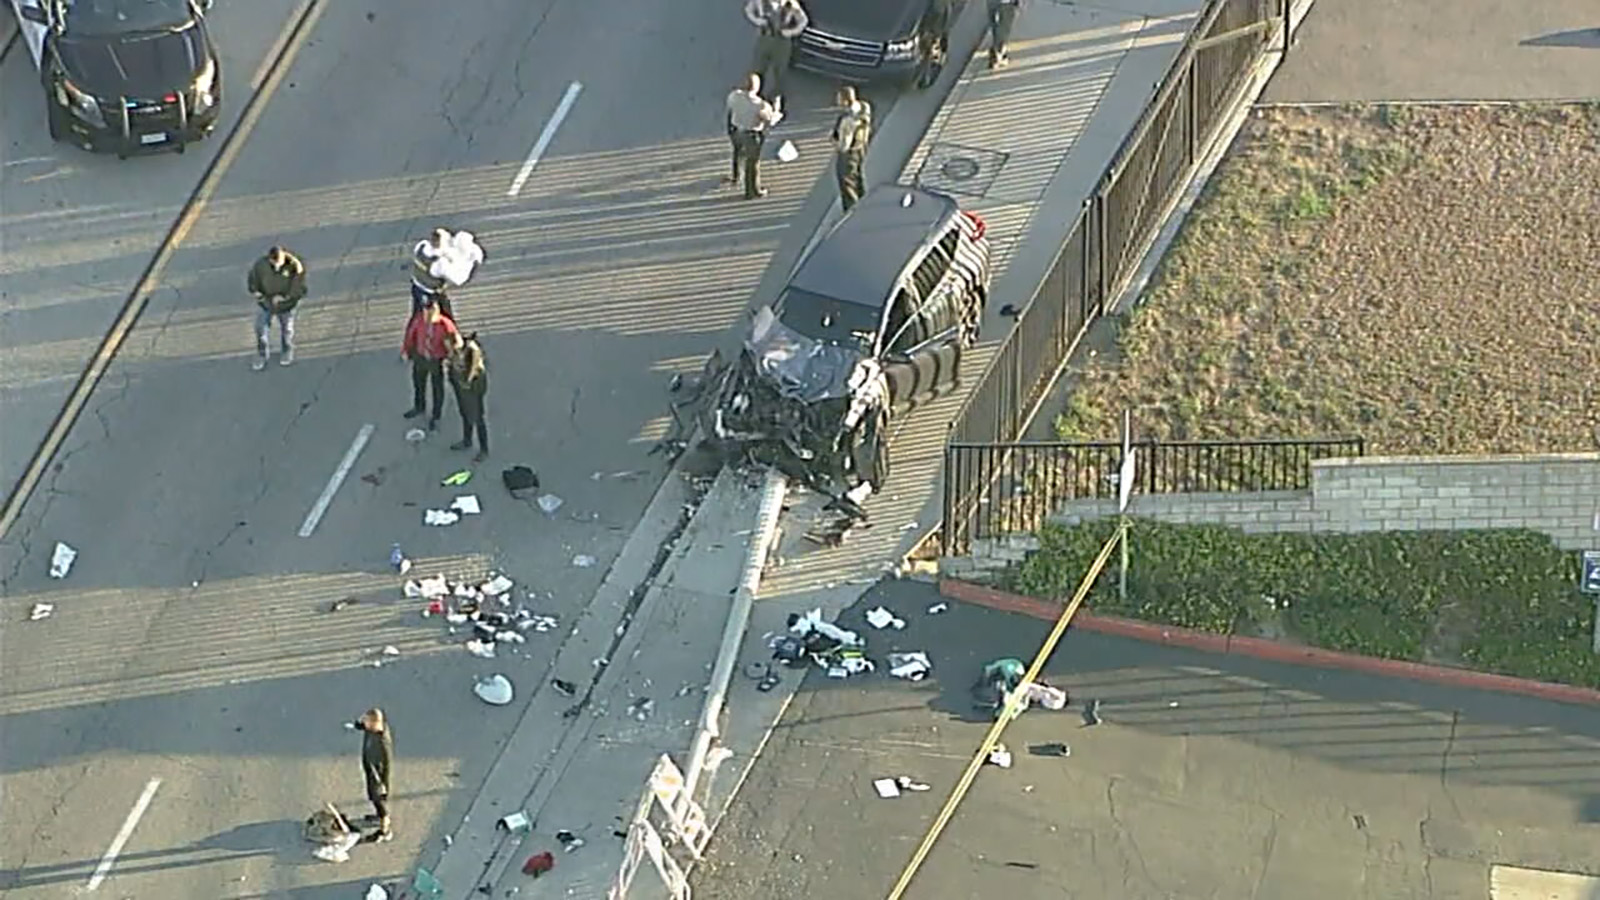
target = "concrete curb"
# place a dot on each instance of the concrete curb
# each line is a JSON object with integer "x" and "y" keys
{"x": 1272, "y": 651}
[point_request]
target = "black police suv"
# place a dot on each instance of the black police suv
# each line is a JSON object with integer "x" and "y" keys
{"x": 124, "y": 76}
{"x": 897, "y": 41}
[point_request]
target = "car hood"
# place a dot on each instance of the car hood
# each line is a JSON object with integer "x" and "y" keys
{"x": 799, "y": 368}
{"x": 145, "y": 66}
{"x": 872, "y": 20}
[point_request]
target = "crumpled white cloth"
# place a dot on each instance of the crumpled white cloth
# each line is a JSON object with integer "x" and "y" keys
{"x": 454, "y": 257}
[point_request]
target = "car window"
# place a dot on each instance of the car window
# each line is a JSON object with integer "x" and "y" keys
{"x": 905, "y": 328}
{"x": 928, "y": 275}
{"x": 826, "y": 319}
{"x": 97, "y": 17}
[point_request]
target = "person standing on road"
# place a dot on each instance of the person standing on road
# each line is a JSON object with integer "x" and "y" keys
{"x": 778, "y": 23}
{"x": 469, "y": 377}
{"x": 425, "y": 284}
{"x": 852, "y": 131}
{"x": 749, "y": 117}
{"x": 377, "y": 765}
{"x": 278, "y": 282}
{"x": 1002, "y": 15}
{"x": 429, "y": 339}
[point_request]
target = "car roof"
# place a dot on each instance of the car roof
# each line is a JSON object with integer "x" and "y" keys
{"x": 861, "y": 259}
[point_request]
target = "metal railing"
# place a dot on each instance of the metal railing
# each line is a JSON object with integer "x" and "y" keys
{"x": 1118, "y": 222}
{"x": 1017, "y": 486}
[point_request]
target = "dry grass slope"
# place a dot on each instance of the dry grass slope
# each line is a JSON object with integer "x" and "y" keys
{"x": 1427, "y": 277}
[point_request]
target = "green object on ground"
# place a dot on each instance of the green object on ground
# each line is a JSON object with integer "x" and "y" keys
{"x": 456, "y": 479}
{"x": 1503, "y": 601}
{"x": 426, "y": 883}
{"x": 1007, "y": 668}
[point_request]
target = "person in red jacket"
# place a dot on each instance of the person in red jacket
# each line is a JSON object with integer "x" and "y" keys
{"x": 430, "y": 338}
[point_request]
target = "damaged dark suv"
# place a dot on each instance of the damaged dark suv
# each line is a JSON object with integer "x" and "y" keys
{"x": 873, "y": 321}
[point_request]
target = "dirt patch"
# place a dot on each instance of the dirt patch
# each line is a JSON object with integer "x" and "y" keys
{"x": 1425, "y": 277}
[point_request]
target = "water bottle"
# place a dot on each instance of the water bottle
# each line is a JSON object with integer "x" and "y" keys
{"x": 397, "y": 560}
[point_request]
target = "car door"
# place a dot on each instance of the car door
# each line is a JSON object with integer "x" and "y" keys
{"x": 33, "y": 21}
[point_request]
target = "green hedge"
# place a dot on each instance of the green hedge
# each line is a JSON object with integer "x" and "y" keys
{"x": 1501, "y": 601}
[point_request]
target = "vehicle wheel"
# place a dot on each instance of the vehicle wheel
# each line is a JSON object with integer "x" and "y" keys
{"x": 57, "y": 119}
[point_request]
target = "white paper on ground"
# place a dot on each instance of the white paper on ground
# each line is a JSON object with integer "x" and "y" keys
{"x": 338, "y": 851}
{"x": 812, "y": 621}
{"x": 549, "y": 503}
{"x": 1000, "y": 756}
{"x": 467, "y": 505}
{"x": 1046, "y": 696}
{"x": 434, "y": 588}
{"x": 881, "y": 618}
{"x": 61, "y": 560}
{"x": 583, "y": 560}
{"x": 377, "y": 892}
{"x": 497, "y": 585}
{"x": 886, "y": 787}
{"x": 440, "y": 517}
{"x": 480, "y": 649}
{"x": 788, "y": 152}
{"x": 914, "y": 665}
{"x": 41, "y": 611}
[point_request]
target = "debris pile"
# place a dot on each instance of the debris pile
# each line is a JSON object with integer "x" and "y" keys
{"x": 488, "y": 609}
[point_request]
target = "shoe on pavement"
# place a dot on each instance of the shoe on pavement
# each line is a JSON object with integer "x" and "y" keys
{"x": 480, "y": 456}
{"x": 413, "y": 412}
{"x": 461, "y": 445}
{"x": 259, "y": 364}
{"x": 287, "y": 359}
{"x": 433, "y": 424}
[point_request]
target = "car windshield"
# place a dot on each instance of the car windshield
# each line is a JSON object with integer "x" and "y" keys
{"x": 826, "y": 319}
{"x": 99, "y": 17}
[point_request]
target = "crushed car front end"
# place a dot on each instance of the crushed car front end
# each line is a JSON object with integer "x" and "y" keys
{"x": 814, "y": 409}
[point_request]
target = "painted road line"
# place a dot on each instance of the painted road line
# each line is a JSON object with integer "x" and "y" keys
{"x": 339, "y": 475}
{"x": 140, "y": 297}
{"x": 545, "y": 137}
{"x": 284, "y": 36}
{"x": 128, "y": 824}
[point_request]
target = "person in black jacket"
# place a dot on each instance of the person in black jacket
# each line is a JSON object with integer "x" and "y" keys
{"x": 469, "y": 377}
{"x": 278, "y": 283}
{"x": 377, "y": 765}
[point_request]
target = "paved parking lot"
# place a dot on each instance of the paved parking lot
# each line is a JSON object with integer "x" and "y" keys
{"x": 1209, "y": 777}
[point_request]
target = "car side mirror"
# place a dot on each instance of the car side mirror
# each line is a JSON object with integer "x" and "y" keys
{"x": 35, "y": 15}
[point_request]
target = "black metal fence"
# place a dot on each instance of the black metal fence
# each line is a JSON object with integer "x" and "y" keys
{"x": 1018, "y": 486}
{"x": 1118, "y": 221}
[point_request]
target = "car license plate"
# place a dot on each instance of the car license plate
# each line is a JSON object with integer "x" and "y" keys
{"x": 160, "y": 137}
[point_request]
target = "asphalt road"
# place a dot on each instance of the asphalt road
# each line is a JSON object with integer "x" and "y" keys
{"x": 190, "y": 643}
{"x": 1209, "y": 777}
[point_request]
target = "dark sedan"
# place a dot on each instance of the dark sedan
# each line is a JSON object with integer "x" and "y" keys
{"x": 900, "y": 41}
{"x": 124, "y": 76}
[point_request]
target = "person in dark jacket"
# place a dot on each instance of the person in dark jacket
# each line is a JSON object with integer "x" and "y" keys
{"x": 469, "y": 377}
{"x": 1002, "y": 15}
{"x": 377, "y": 766}
{"x": 277, "y": 281}
{"x": 430, "y": 337}
{"x": 778, "y": 23}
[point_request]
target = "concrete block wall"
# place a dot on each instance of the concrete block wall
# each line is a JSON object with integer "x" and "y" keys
{"x": 1557, "y": 494}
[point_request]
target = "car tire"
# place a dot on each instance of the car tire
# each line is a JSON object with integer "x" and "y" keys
{"x": 55, "y": 117}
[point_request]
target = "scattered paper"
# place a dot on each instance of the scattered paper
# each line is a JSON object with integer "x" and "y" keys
{"x": 812, "y": 621}
{"x": 61, "y": 561}
{"x": 494, "y": 690}
{"x": 913, "y": 666}
{"x": 497, "y": 585}
{"x": 338, "y": 850}
{"x": 906, "y": 784}
{"x": 788, "y": 152}
{"x": 481, "y": 649}
{"x": 391, "y": 650}
{"x": 886, "y": 788}
{"x": 411, "y": 590}
{"x": 881, "y": 618}
{"x": 440, "y": 517}
{"x": 583, "y": 560}
{"x": 549, "y": 503}
{"x": 377, "y": 892}
{"x": 1047, "y": 696}
{"x": 467, "y": 505}
{"x": 434, "y": 588}
{"x": 41, "y": 611}
{"x": 1000, "y": 756}
{"x": 937, "y": 608}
